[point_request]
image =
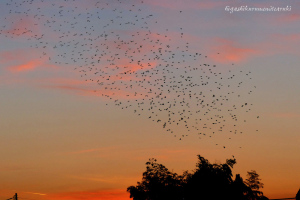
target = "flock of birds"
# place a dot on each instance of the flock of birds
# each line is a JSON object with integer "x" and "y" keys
{"x": 135, "y": 61}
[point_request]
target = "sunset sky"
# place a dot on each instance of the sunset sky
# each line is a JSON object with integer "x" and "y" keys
{"x": 63, "y": 136}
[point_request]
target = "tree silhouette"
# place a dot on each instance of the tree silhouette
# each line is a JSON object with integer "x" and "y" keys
{"x": 240, "y": 191}
{"x": 298, "y": 195}
{"x": 210, "y": 181}
{"x": 207, "y": 181}
{"x": 158, "y": 183}
{"x": 254, "y": 183}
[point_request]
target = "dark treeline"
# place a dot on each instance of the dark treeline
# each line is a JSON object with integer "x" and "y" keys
{"x": 207, "y": 182}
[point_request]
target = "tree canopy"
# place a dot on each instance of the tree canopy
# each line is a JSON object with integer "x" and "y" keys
{"x": 207, "y": 181}
{"x": 298, "y": 195}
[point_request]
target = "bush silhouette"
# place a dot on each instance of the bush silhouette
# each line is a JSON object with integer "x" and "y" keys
{"x": 208, "y": 182}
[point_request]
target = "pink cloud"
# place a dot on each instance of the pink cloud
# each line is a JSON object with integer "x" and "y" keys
{"x": 145, "y": 41}
{"x": 87, "y": 88}
{"x": 21, "y": 25}
{"x": 225, "y": 51}
{"x": 18, "y": 55}
{"x": 280, "y": 44}
{"x": 80, "y": 87}
{"x": 290, "y": 18}
{"x": 28, "y": 66}
{"x": 21, "y": 60}
{"x": 295, "y": 37}
{"x": 77, "y": 6}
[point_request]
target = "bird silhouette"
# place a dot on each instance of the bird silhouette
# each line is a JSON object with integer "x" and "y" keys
{"x": 117, "y": 50}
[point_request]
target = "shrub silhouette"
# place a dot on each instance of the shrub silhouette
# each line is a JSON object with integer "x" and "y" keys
{"x": 208, "y": 182}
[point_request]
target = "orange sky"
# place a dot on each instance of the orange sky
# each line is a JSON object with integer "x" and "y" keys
{"x": 64, "y": 133}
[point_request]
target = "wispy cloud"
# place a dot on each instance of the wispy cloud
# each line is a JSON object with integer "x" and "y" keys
{"x": 105, "y": 179}
{"x": 22, "y": 60}
{"x": 93, "y": 150}
{"x": 36, "y": 193}
{"x": 88, "y": 88}
{"x": 28, "y": 66}
{"x": 293, "y": 17}
{"x": 21, "y": 25}
{"x": 189, "y": 4}
{"x": 225, "y": 51}
{"x": 277, "y": 44}
{"x": 108, "y": 194}
{"x": 113, "y": 152}
{"x": 286, "y": 115}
